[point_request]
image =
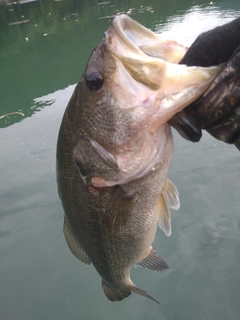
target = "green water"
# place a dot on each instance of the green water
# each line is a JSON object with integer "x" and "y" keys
{"x": 41, "y": 59}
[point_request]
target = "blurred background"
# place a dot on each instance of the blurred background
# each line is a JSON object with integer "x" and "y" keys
{"x": 44, "y": 48}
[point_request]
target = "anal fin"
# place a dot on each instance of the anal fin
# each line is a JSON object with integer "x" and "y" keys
{"x": 153, "y": 262}
{"x": 115, "y": 294}
{"x": 74, "y": 245}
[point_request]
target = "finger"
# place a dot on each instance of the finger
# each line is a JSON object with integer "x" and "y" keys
{"x": 187, "y": 126}
{"x": 222, "y": 97}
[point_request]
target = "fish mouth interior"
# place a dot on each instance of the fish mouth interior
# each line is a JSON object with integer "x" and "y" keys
{"x": 139, "y": 50}
{"x": 132, "y": 35}
{"x": 128, "y": 30}
{"x": 142, "y": 41}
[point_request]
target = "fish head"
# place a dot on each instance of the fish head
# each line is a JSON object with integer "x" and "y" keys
{"x": 131, "y": 87}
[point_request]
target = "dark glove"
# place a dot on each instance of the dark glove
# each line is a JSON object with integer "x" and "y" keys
{"x": 218, "y": 110}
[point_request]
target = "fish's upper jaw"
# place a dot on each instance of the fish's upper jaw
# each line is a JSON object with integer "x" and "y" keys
{"x": 142, "y": 52}
{"x": 144, "y": 41}
{"x": 127, "y": 34}
{"x": 124, "y": 40}
{"x": 137, "y": 49}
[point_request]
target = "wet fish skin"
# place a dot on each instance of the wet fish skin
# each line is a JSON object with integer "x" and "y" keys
{"x": 112, "y": 252}
{"x": 114, "y": 150}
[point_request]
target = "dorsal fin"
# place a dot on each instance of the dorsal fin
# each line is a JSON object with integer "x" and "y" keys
{"x": 119, "y": 209}
{"x": 74, "y": 245}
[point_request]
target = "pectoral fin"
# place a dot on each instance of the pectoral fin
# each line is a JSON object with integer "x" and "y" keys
{"x": 119, "y": 209}
{"x": 169, "y": 199}
{"x": 74, "y": 245}
{"x": 164, "y": 221}
{"x": 171, "y": 195}
{"x": 153, "y": 262}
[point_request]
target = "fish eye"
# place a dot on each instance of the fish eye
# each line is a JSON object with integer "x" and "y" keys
{"x": 94, "y": 80}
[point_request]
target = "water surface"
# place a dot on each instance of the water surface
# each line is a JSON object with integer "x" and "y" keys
{"x": 44, "y": 47}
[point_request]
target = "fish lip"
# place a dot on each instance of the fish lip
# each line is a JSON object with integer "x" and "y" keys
{"x": 125, "y": 40}
{"x": 118, "y": 29}
{"x": 119, "y": 25}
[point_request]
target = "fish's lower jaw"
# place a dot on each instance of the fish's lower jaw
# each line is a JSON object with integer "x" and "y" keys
{"x": 118, "y": 294}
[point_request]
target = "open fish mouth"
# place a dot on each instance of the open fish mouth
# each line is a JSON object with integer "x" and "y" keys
{"x": 146, "y": 87}
{"x": 126, "y": 37}
{"x": 128, "y": 41}
{"x": 140, "y": 49}
{"x": 153, "y": 62}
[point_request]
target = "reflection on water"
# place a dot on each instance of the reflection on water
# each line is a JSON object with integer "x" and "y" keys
{"x": 41, "y": 60}
{"x": 193, "y": 22}
{"x": 45, "y": 44}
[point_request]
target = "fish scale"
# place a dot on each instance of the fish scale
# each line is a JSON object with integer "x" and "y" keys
{"x": 114, "y": 151}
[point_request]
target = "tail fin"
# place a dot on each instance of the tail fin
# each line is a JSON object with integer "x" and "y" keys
{"x": 115, "y": 294}
{"x": 137, "y": 290}
{"x": 118, "y": 294}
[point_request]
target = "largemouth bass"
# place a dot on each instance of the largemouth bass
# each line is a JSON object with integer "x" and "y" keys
{"x": 114, "y": 151}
